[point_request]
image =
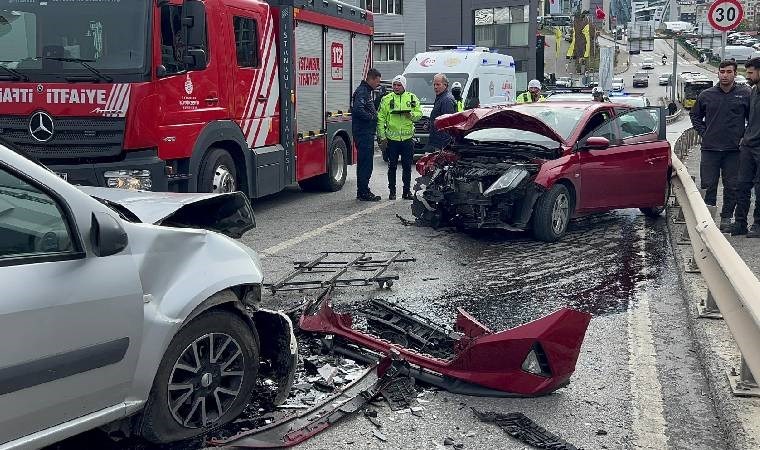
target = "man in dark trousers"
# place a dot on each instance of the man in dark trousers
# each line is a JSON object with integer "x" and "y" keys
{"x": 363, "y": 126}
{"x": 719, "y": 116}
{"x": 749, "y": 159}
{"x": 444, "y": 104}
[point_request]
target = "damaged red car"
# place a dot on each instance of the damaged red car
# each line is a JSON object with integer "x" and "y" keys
{"x": 536, "y": 166}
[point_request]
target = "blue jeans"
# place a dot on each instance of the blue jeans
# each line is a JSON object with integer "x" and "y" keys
{"x": 365, "y": 152}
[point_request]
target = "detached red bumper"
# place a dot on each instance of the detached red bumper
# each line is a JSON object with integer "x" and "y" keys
{"x": 532, "y": 359}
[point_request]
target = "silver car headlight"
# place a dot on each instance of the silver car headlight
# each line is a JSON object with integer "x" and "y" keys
{"x": 129, "y": 179}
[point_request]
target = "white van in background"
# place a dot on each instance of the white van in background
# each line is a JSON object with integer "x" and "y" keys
{"x": 739, "y": 53}
{"x": 487, "y": 79}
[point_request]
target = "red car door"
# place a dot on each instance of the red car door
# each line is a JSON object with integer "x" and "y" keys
{"x": 632, "y": 171}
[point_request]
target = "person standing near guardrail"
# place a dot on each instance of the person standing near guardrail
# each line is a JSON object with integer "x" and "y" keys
{"x": 749, "y": 159}
{"x": 719, "y": 115}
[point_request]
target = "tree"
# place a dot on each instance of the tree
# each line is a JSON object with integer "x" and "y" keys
{"x": 744, "y": 25}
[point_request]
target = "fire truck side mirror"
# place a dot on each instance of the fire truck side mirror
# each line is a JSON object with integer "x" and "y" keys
{"x": 194, "y": 22}
{"x": 196, "y": 59}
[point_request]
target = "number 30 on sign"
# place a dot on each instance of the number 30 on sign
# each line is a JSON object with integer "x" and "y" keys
{"x": 725, "y": 15}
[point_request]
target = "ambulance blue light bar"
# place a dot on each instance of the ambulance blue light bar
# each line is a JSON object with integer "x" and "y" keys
{"x": 466, "y": 48}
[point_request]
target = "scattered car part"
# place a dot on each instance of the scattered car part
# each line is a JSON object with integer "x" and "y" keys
{"x": 400, "y": 326}
{"x": 532, "y": 359}
{"x": 400, "y": 393}
{"x": 343, "y": 272}
{"x": 295, "y": 429}
{"x": 519, "y": 426}
{"x": 229, "y": 214}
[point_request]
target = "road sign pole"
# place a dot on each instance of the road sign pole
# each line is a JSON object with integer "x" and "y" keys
{"x": 723, "y": 46}
{"x": 673, "y": 81}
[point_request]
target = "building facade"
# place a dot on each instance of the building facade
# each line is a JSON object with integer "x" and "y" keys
{"x": 504, "y": 26}
{"x": 400, "y": 27}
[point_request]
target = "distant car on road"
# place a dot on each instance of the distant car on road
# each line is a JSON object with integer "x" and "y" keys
{"x": 640, "y": 79}
{"x": 740, "y": 79}
{"x": 647, "y": 62}
{"x": 664, "y": 79}
{"x": 635, "y": 100}
{"x": 564, "y": 82}
{"x": 520, "y": 167}
{"x": 128, "y": 307}
{"x": 618, "y": 84}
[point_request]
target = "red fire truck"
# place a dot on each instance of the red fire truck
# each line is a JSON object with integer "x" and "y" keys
{"x": 184, "y": 95}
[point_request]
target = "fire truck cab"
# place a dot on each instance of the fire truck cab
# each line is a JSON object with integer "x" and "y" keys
{"x": 184, "y": 95}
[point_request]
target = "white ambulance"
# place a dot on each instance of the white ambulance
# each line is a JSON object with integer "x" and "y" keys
{"x": 487, "y": 79}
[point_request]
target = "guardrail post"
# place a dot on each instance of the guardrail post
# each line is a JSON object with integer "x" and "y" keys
{"x": 679, "y": 218}
{"x": 708, "y": 309}
{"x": 685, "y": 239}
{"x": 743, "y": 384}
{"x": 691, "y": 266}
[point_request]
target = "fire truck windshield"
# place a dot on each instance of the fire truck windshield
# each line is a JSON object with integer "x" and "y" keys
{"x": 47, "y": 40}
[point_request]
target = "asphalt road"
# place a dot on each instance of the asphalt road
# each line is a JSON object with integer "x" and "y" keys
{"x": 638, "y": 382}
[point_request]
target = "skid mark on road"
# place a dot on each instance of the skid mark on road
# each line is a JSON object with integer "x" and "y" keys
{"x": 647, "y": 406}
{"x": 323, "y": 229}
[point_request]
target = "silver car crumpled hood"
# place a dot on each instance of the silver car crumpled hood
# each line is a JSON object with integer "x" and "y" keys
{"x": 230, "y": 214}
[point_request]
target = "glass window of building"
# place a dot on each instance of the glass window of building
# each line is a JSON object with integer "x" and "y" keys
{"x": 383, "y": 6}
{"x": 502, "y": 27}
{"x": 388, "y": 52}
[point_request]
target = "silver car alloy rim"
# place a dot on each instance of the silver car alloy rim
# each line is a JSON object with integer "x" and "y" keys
{"x": 336, "y": 164}
{"x": 205, "y": 380}
{"x": 560, "y": 213}
{"x": 224, "y": 180}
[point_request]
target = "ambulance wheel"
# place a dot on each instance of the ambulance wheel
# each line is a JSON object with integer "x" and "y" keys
{"x": 218, "y": 173}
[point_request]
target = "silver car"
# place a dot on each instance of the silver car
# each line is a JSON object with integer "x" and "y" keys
{"x": 129, "y": 309}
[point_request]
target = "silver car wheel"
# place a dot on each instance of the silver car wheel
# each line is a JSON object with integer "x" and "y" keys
{"x": 560, "y": 213}
{"x": 224, "y": 180}
{"x": 205, "y": 380}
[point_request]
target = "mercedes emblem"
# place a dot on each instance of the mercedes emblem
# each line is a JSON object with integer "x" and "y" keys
{"x": 41, "y": 126}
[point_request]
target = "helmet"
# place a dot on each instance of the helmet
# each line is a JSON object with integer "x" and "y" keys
{"x": 534, "y": 84}
{"x": 597, "y": 91}
{"x": 456, "y": 85}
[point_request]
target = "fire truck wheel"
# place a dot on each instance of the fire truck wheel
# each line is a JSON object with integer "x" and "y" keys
{"x": 337, "y": 168}
{"x": 218, "y": 173}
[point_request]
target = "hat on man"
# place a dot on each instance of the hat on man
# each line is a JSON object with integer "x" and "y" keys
{"x": 534, "y": 84}
{"x": 400, "y": 79}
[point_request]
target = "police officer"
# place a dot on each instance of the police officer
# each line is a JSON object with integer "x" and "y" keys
{"x": 533, "y": 94}
{"x": 363, "y": 126}
{"x": 456, "y": 91}
{"x": 395, "y": 128}
{"x": 598, "y": 94}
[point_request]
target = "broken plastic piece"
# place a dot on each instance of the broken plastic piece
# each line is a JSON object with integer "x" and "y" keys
{"x": 519, "y": 426}
{"x": 295, "y": 429}
{"x": 400, "y": 393}
{"x": 482, "y": 362}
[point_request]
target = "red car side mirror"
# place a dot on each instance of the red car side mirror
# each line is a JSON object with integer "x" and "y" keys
{"x": 596, "y": 143}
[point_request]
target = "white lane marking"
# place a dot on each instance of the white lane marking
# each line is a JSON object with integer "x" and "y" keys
{"x": 647, "y": 405}
{"x": 323, "y": 229}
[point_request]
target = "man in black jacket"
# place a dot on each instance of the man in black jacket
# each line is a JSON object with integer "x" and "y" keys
{"x": 749, "y": 159}
{"x": 444, "y": 104}
{"x": 719, "y": 116}
{"x": 364, "y": 126}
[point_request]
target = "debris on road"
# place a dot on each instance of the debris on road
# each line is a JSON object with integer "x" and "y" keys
{"x": 292, "y": 430}
{"x": 341, "y": 269}
{"x": 535, "y": 358}
{"x": 400, "y": 393}
{"x": 519, "y": 426}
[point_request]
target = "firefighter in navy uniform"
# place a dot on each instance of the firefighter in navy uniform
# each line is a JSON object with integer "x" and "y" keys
{"x": 395, "y": 129}
{"x": 363, "y": 126}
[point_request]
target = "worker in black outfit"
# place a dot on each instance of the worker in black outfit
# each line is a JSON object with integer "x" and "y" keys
{"x": 719, "y": 116}
{"x": 364, "y": 126}
{"x": 749, "y": 159}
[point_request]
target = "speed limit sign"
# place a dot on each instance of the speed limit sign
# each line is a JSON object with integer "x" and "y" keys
{"x": 725, "y": 15}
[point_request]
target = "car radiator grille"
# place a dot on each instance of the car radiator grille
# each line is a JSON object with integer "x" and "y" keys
{"x": 73, "y": 137}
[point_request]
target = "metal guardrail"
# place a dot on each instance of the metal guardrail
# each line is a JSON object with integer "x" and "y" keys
{"x": 733, "y": 290}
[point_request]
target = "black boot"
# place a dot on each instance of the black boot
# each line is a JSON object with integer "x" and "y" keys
{"x": 407, "y": 195}
{"x": 738, "y": 229}
{"x": 725, "y": 224}
{"x": 392, "y": 195}
{"x": 754, "y": 231}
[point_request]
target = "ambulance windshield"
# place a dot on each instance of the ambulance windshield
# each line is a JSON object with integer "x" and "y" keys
{"x": 46, "y": 40}
{"x": 421, "y": 85}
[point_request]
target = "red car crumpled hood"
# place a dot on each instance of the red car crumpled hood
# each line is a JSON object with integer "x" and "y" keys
{"x": 460, "y": 124}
